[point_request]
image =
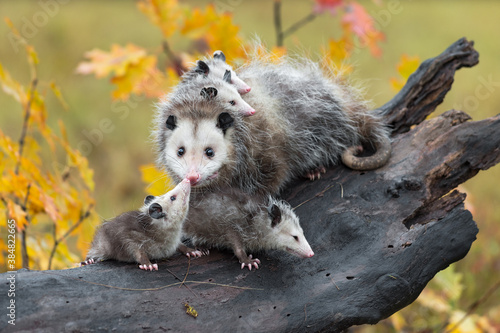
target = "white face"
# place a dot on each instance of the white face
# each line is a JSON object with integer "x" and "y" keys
{"x": 170, "y": 207}
{"x": 233, "y": 101}
{"x": 196, "y": 151}
{"x": 291, "y": 236}
{"x": 219, "y": 70}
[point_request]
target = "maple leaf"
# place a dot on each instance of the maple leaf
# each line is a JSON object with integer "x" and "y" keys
{"x": 336, "y": 54}
{"x": 223, "y": 35}
{"x": 118, "y": 60}
{"x": 357, "y": 20}
{"x": 196, "y": 22}
{"x": 163, "y": 13}
{"x": 331, "y": 6}
{"x": 406, "y": 66}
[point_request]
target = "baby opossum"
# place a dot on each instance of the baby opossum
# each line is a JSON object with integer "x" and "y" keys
{"x": 305, "y": 121}
{"x": 199, "y": 88}
{"x": 153, "y": 232}
{"x": 233, "y": 219}
{"x": 216, "y": 68}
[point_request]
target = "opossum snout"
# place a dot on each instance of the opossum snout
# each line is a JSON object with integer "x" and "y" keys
{"x": 309, "y": 254}
{"x": 193, "y": 176}
{"x": 244, "y": 90}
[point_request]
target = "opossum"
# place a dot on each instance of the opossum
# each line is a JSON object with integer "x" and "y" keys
{"x": 305, "y": 120}
{"x": 232, "y": 219}
{"x": 152, "y": 232}
{"x": 216, "y": 68}
{"x": 219, "y": 91}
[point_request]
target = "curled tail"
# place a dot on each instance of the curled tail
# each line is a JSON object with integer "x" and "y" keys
{"x": 372, "y": 130}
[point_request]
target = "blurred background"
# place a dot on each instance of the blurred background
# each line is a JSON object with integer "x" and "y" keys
{"x": 422, "y": 29}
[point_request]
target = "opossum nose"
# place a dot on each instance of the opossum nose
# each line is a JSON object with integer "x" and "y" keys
{"x": 251, "y": 112}
{"x": 247, "y": 89}
{"x": 193, "y": 177}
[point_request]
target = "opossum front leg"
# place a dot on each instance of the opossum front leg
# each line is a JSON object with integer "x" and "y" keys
{"x": 245, "y": 260}
{"x": 315, "y": 173}
{"x": 142, "y": 258}
{"x": 189, "y": 252}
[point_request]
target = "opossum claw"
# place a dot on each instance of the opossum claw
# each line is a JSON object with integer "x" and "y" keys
{"x": 315, "y": 173}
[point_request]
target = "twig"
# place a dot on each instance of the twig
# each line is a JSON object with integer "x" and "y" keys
{"x": 24, "y": 131}
{"x": 173, "y": 274}
{"x": 152, "y": 289}
{"x": 334, "y": 283}
{"x": 66, "y": 234}
{"x": 277, "y": 23}
{"x": 299, "y": 24}
{"x": 187, "y": 272}
{"x": 475, "y": 305}
{"x": 178, "y": 66}
{"x": 317, "y": 195}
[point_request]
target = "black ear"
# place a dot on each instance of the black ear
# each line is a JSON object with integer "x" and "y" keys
{"x": 148, "y": 199}
{"x": 155, "y": 211}
{"x": 274, "y": 214}
{"x": 209, "y": 92}
{"x": 202, "y": 67}
{"x": 219, "y": 55}
{"x": 227, "y": 76}
{"x": 225, "y": 121}
{"x": 171, "y": 122}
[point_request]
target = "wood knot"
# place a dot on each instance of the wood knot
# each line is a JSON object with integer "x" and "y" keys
{"x": 456, "y": 117}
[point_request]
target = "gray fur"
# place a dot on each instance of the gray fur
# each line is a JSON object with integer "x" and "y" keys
{"x": 305, "y": 120}
{"x": 137, "y": 237}
{"x": 232, "y": 219}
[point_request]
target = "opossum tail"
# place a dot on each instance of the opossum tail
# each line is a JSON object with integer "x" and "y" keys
{"x": 373, "y": 132}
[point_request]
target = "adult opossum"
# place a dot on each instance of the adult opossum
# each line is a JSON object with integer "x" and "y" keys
{"x": 216, "y": 68}
{"x": 304, "y": 121}
{"x": 152, "y": 232}
{"x": 232, "y": 219}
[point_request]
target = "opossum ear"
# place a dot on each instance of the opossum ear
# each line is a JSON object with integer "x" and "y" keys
{"x": 209, "y": 92}
{"x": 148, "y": 199}
{"x": 225, "y": 121}
{"x": 274, "y": 214}
{"x": 219, "y": 55}
{"x": 155, "y": 211}
{"x": 171, "y": 122}
{"x": 202, "y": 67}
{"x": 227, "y": 76}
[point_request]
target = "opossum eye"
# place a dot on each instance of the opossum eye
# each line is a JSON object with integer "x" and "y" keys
{"x": 181, "y": 151}
{"x": 296, "y": 238}
{"x": 209, "y": 152}
{"x": 172, "y": 198}
{"x": 232, "y": 103}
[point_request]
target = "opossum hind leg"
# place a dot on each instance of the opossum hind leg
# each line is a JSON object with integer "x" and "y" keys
{"x": 142, "y": 258}
{"x": 194, "y": 253}
{"x": 315, "y": 173}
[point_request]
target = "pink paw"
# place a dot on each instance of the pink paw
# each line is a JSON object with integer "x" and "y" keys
{"x": 197, "y": 253}
{"x": 87, "y": 262}
{"x": 149, "y": 267}
{"x": 315, "y": 173}
{"x": 250, "y": 263}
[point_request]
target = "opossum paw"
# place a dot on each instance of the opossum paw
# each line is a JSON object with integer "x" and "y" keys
{"x": 250, "y": 263}
{"x": 149, "y": 267}
{"x": 88, "y": 262}
{"x": 315, "y": 173}
{"x": 197, "y": 253}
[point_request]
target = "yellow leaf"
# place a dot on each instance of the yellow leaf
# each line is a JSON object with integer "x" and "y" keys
{"x": 58, "y": 94}
{"x": 197, "y": 22}
{"x": 158, "y": 182}
{"x": 223, "y": 35}
{"x": 12, "y": 87}
{"x": 163, "y": 13}
{"x": 50, "y": 206}
{"x": 18, "y": 214}
{"x": 337, "y": 53}
{"x": 406, "y": 66}
{"x": 117, "y": 60}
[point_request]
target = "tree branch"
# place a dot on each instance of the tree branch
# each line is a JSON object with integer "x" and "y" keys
{"x": 277, "y": 23}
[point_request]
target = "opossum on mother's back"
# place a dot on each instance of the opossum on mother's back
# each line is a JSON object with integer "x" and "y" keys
{"x": 304, "y": 121}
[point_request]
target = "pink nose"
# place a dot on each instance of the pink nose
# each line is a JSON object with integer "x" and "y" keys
{"x": 193, "y": 177}
{"x": 248, "y": 89}
{"x": 310, "y": 254}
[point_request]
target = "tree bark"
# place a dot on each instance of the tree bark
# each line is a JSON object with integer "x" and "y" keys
{"x": 379, "y": 238}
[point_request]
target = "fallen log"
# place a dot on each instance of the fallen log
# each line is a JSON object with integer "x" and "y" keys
{"x": 379, "y": 238}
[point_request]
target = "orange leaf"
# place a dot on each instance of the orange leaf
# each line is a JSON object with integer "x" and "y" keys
{"x": 337, "y": 53}
{"x": 117, "y": 60}
{"x": 223, "y": 35}
{"x": 18, "y": 214}
{"x": 163, "y": 13}
{"x": 357, "y": 20}
{"x": 197, "y": 22}
{"x": 50, "y": 206}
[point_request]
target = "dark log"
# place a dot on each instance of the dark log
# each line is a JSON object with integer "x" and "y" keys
{"x": 379, "y": 238}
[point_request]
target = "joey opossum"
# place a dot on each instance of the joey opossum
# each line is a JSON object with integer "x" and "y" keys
{"x": 232, "y": 219}
{"x": 216, "y": 68}
{"x": 220, "y": 91}
{"x": 305, "y": 120}
{"x": 152, "y": 232}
